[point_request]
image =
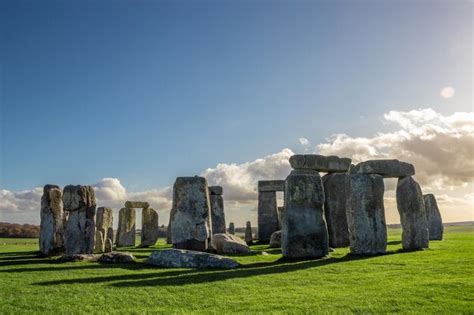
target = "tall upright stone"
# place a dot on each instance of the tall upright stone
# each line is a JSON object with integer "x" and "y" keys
{"x": 335, "y": 208}
{"x": 267, "y": 208}
{"x": 168, "y": 229}
{"x": 104, "y": 223}
{"x": 248, "y": 233}
{"x": 150, "y": 228}
{"x": 52, "y": 221}
{"x": 231, "y": 228}
{"x": 366, "y": 214}
{"x": 280, "y": 214}
{"x": 191, "y": 226}
{"x": 304, "y": 231}
{"x": 79, "y": 203}
{"x": 433, "y": 217}
{"x": 126, "y": 227}
{"x": 217, "y": 209}
{"x": 411, "y": 208}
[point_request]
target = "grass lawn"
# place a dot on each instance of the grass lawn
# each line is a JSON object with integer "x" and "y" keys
{"x": 438, "y": 280}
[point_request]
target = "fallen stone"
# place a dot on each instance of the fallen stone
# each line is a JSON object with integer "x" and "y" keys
{"x": 52, "y": 221}
{"x": 433, "y": 217}
{"x": 366, "y": 214}
{"x": 217, "y": 210}
{"x": 335, "y": 208}
{"x": 248, "y": 233}
{"x": 150, "y": 228}
{"x": 137, "y": 204}
{"x": 126, "y": 227}
{"x": 385, "y": 168}
{"x": 275, "y": 240}
{"x": 108, "y": 246}
{"x": 229, "y": 244}
{"x": 320, "y": 163}
{"x": 411, "y": 208}
{"x": 271, "y": 185}
{"x": 79, "y": 257}
{"x": 304, "y": 231}
{"x": 231, "y": 228}
{"x": 179, "y": 258}
{"x": 117, "y": 258}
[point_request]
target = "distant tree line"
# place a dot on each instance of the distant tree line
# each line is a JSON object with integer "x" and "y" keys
{"x": 19, "y": 230}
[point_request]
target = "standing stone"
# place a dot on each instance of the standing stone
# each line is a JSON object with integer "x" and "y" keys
{"x": 104, "y": 222}
{"x": 126, "y": 227}
{"x": 433, "y": 217}
{"x": 304, "y": 231}
{"x": 231, "y": 228}
{"x": 108, "y": 246}
{"x": 79, "y": 203}
{"x": 248, "y": 233}
{"x": 366, "y": 214}
{"x": 280, "y": 214}
{"x": 411, "y": 207}
{"x": 335, "y": 208}
{"x": 217, "y": 209}
{"x": 150, "y": 227}
{"x": 267, "y": 215}
{"x": 110, "y": 234}
{"x": 52, "y": 224}
{"x": 191, "y": 226}
{"x": 99, "y": 242}
{"x": 168, "y": 230}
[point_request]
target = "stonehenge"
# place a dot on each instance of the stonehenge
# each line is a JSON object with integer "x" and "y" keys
{"x": 104, "y": 229}
{"x": 80, "y": 206}
{"x": 149, "y": 231}
{"x": 217, "y": 209}
{"x": 231, "y": 228}
{"x": 191, "y": 226}
{"x": 52, "y": 221}
{"x": 267, "y": 208}
{"x": 126, "y": 227}
{"x": 433, "y": 218}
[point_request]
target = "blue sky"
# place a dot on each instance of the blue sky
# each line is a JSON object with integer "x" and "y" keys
{"x": 145, "y": 91}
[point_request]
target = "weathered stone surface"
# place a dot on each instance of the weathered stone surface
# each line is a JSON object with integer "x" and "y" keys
{"x": 178, "y": 258}
{"x": 280, "y": 214}
{"x": 150, "y": 227}
{"x": 411, "y": 208}
{"x": 104, "y": 222}
{"x": 79, "y": 257}
{"x": 304, "y": 231}
{"x": 126, "y": 227}
{"x": 335, "y": 208}
{"x": 433, "y": 217}
{"x": 366, "y": 214}
{"x": 168, "y": 229}
{"x": 108, "y": 245}
{"x": 217, "y": 212}
{"x": 117, "y": 258}
{"x": 99, "y": 246}
{"x": 248, "y": 233}
{"x": 271, "y": 185}
{"x": 137, "y": 204}
{"x": 231, "y": 228}
{"x": 320, "y": 163}
{"x": 110, "y": 234}
{"x": 191, "y": 225}
{"x": 229, "y": 244}
{"x": 79, "y": 203}
{"x": 386, "y": 168}
{"x": 267, "y": 215}
{"x": 275, "y": 240}
{"x": 215, "y": 190}
{"x": 52, "y": 221}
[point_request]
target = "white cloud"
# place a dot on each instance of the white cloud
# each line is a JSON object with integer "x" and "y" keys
{"x": 447, "y": 92}
{"x": 304, "y": 142}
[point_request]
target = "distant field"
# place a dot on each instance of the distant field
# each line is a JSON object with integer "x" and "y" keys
{"x": 438, "y": 280}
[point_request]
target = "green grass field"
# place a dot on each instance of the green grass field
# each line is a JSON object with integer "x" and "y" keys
{"x": 438, "y": 280}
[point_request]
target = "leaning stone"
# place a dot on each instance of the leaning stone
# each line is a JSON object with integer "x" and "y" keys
{"x": 117, "y": 258}
{"x": 137, "y": 204}
{"x": 108, "y": 245}
{"x": 99, "y": 242}
{"x": 79, "y": 203}
{"x": 248, "y": 233}
{"x": 267, "y": 215}
{"x": 366, "y": 214}
{"x": 229, "y": 244}
{"x": 104, "y": 222}
{"x": 304, "y": 231}
{"x": 275, "y": 240}
{"x": 320, "y": 163}
{"x": 150, "y": 228}
{"x": 335, "y": 208}
{"x": 411, "y": 208}
{"x": 386, "y": 168}
{"x": 190, "y": 225}
{"x": 433, "y": 217}
{"x": 178, "y": 258}
{"x": 52, "y": 221}
{"x": 231, "y": 228}
{"x": 271, "y": 185}
{"x": 217, "y": 210}
{"x": 126, "y": 227}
